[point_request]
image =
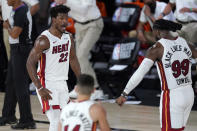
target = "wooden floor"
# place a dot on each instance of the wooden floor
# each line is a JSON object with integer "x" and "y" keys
{"x": 133, "y": 117}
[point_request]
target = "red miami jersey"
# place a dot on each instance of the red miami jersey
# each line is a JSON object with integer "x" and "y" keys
{"x": 54, "y": 62}
{"x": 175, "y": 66}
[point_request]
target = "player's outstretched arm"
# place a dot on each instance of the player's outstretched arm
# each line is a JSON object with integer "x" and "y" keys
{"x": 154, "y": 53}
{"x": 99, "y": 115}
{"x": 41, "y": 44}
{"x": 73, "y": 59}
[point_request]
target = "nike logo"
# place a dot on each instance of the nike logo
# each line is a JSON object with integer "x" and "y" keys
{"x": 54, "y": 42}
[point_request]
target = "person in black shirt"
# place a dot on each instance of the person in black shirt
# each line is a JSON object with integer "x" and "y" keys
{"x": 19, "y": 27}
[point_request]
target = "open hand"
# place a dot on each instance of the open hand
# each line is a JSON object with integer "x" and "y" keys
{"x": 45, "y": 94}
{"x": 120, "y": 100}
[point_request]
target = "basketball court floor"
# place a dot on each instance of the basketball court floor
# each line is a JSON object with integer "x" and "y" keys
{"x": 126, "y": 118}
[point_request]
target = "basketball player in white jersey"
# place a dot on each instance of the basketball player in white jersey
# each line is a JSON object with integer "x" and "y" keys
{"x": 53, "y": 50}
{"x": 172, "y": 56}
{"x": 83, "y": 114}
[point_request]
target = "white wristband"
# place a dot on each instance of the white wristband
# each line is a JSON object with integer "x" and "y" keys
{"x": 40, "y": 88}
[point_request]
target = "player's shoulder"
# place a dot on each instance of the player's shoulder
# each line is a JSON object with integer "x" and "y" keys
{"x": 155, "y": 52}
{"x": 42, "y": 38}
{"x": 42, "y": 42}
{"x": 182, "y": 39}
{"x": 96, "y": 107}
{"x": 156, "y": 46}
{"x": 97, "y": 111}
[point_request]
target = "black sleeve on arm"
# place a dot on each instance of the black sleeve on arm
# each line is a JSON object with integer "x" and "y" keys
{"x": 20, "y": 17}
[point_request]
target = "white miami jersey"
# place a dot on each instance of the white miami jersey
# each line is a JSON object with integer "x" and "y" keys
{"x": 54, "y": 62}
{"x": 174, "y": 69}
{"x": 76, "y": 117}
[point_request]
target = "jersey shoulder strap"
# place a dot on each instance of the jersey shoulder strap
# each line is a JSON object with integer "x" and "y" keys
{"x": 162, "y": 42}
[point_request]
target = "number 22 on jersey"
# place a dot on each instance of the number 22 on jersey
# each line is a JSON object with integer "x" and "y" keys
{"x": 63, "y": 57}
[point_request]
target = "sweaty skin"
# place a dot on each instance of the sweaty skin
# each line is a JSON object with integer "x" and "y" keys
{"x": 42, "y": 44}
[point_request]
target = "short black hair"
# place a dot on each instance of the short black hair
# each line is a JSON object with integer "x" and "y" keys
{"x": 162, "y": 24}
{"x": 59, "y": 9}
{"x": 85, "y": 83}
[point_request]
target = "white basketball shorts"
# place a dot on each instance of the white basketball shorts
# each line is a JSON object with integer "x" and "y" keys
{"x": 175, "y": 107}
{"x": 60, "y": 95}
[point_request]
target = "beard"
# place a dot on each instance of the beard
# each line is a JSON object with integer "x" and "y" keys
{"x": 152, "y": 6}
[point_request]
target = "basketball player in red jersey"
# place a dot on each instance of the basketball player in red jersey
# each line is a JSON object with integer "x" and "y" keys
{"x": 53, "y": 51}
{"x": 173, "y": 59}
